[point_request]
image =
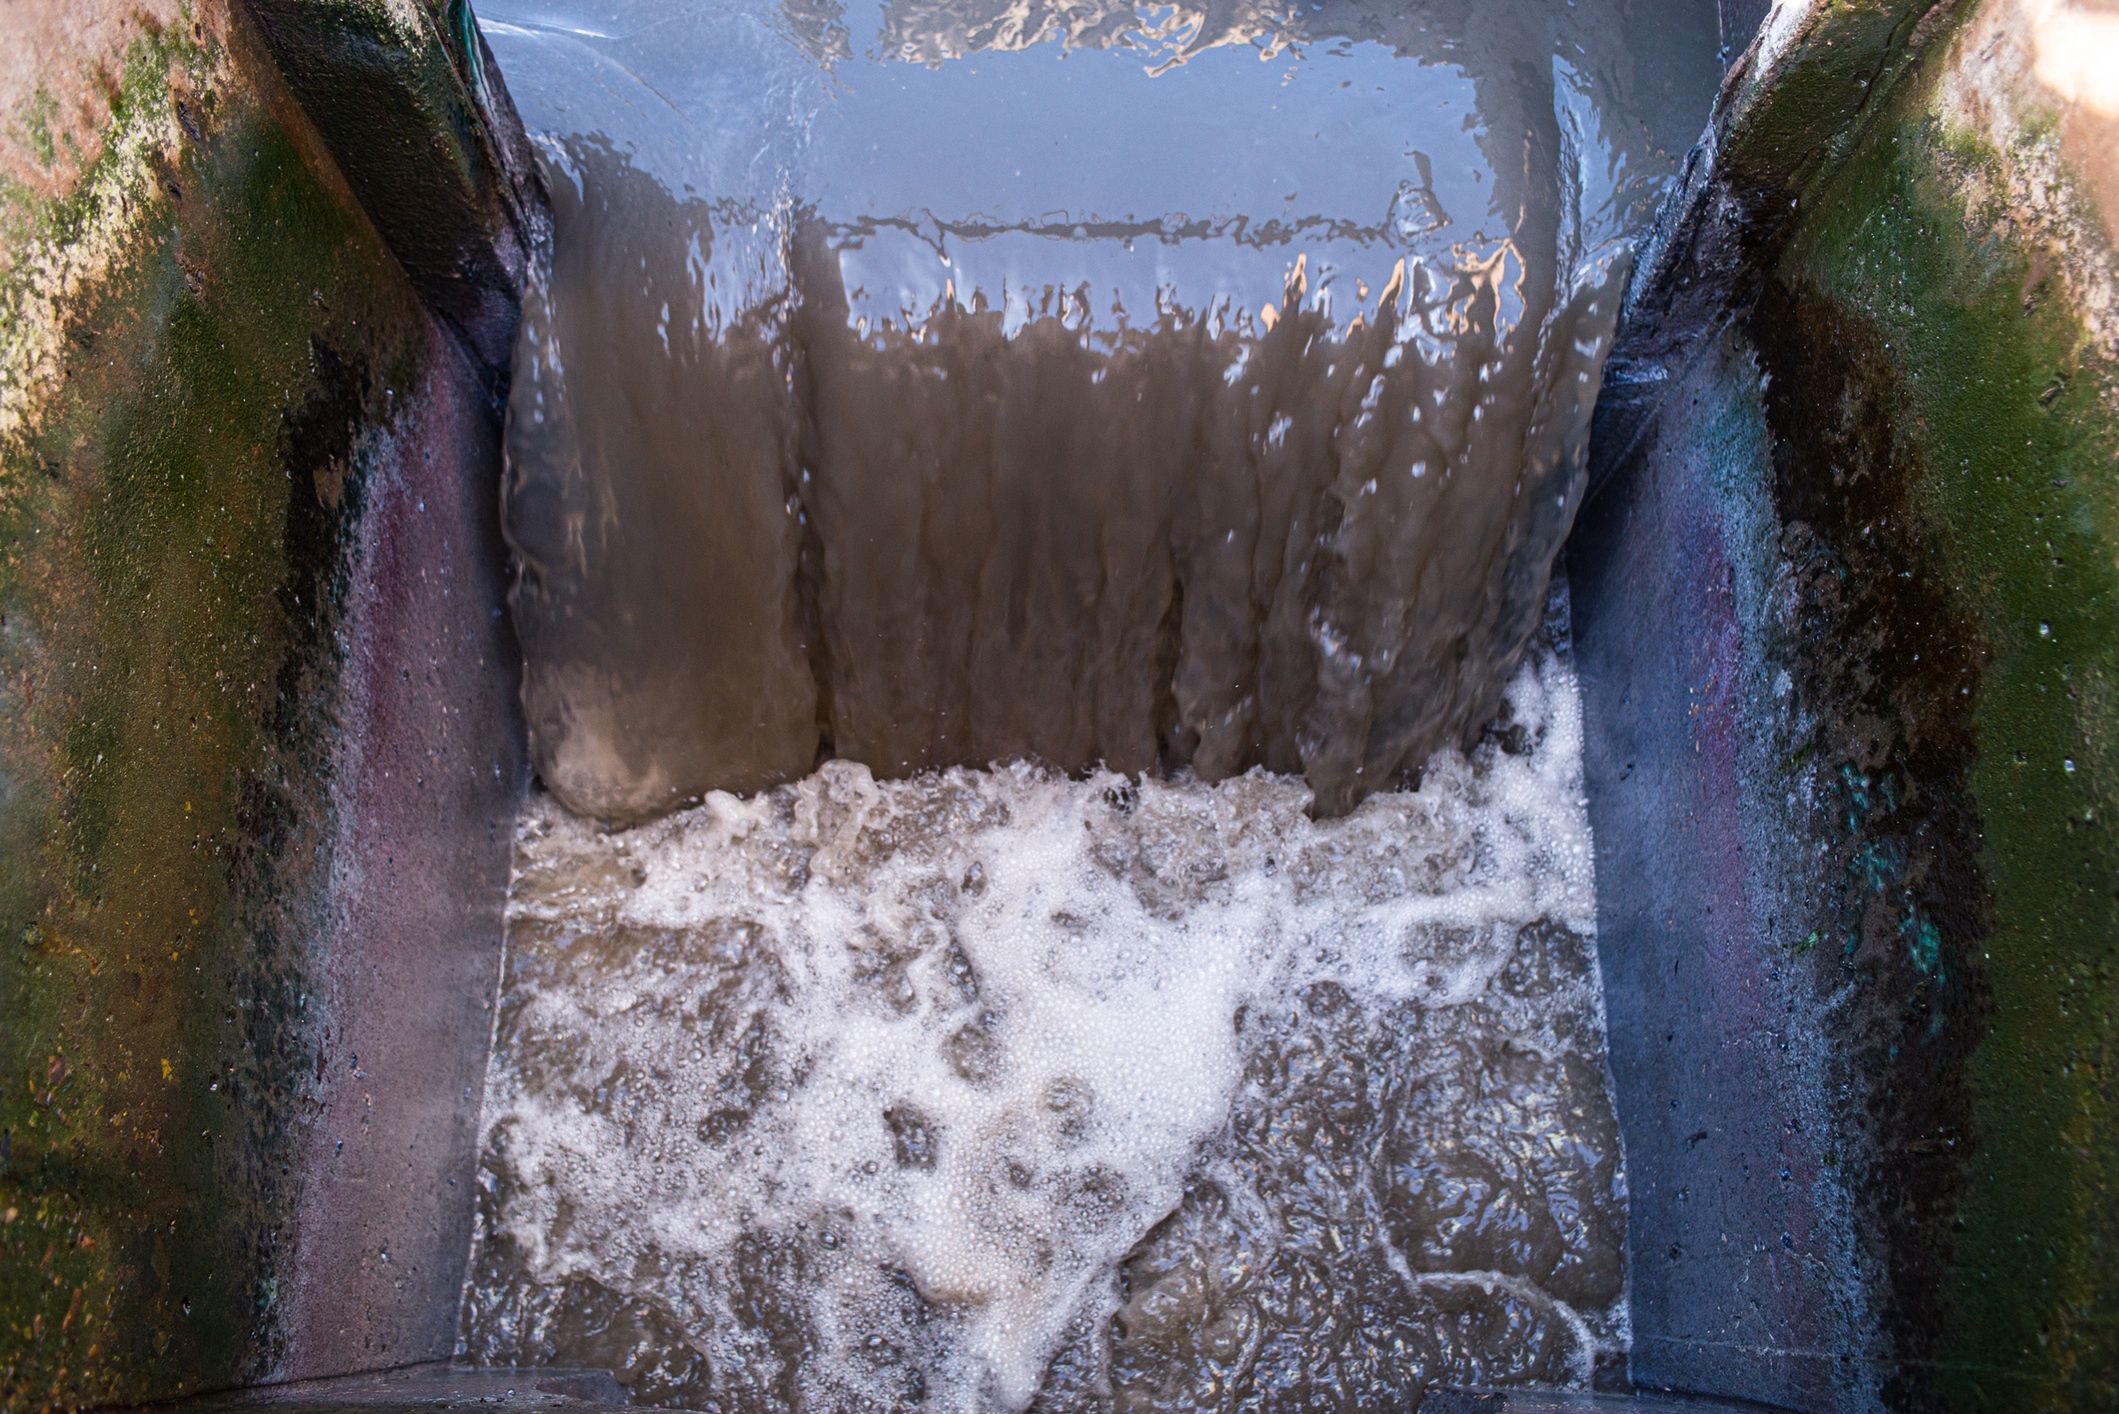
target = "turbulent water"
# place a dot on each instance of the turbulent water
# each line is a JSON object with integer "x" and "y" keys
{"x": 984, "y": 1087}
{"x": 947, "y": 383}
{"x": 1058, "y": 884}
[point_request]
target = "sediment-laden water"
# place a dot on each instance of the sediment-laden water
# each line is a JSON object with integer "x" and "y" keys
{"x": 979, "y": 1088}
{"x": 924, "y": 385}
{"x": 1086, "y": 477}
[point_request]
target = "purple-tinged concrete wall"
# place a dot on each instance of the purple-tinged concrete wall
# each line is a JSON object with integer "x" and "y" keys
{"x": 259, "y": 748}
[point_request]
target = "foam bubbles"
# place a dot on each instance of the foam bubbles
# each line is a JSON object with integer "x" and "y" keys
{"x": 862, "y": 1094}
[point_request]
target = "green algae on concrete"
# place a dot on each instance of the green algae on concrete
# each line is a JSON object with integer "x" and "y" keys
{"x": 2005, "y": 405}
{"x": 1913, "y": 879}
{"x": 454, "y": 192}
{"x": 192, "y": 341}
{"x": 1825, "y": 69}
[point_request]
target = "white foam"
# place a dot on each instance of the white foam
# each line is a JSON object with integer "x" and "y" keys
{"x": 971, "y": 1028}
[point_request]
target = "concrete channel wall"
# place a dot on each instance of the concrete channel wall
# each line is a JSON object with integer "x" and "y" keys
{"x": 1846, "y": 610}
{"x": 258, "y": 747}
{"x": 1847, "y": 601}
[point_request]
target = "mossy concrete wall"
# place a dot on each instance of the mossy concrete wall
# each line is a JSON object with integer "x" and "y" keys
{"x": 256, "y": 748}
{"x": 1849, "y": 607}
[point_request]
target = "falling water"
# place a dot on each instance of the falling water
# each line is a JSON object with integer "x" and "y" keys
{"x": 1035, "y": 530}
{"x": 1037, "y": 386}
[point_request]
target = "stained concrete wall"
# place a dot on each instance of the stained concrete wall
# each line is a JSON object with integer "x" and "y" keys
{"x": 1848, "y": 609}
{"x": 1846, "y": 617}
{"x": 257, "y": 744}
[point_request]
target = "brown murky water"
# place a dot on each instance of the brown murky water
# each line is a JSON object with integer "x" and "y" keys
{"x": 1182, "y": 407}
{"x": 942, "y": 384}
{"x": 982, "y": 1088}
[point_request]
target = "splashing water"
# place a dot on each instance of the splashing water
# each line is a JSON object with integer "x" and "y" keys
{"x": 1182, "y": 407}
{"x": 979, "y": 1087}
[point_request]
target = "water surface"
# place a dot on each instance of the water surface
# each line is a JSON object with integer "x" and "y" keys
{"x": 1063, "y": 880}
{"x": 930, "y": 384}
{"x": 980, "y": 1088}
